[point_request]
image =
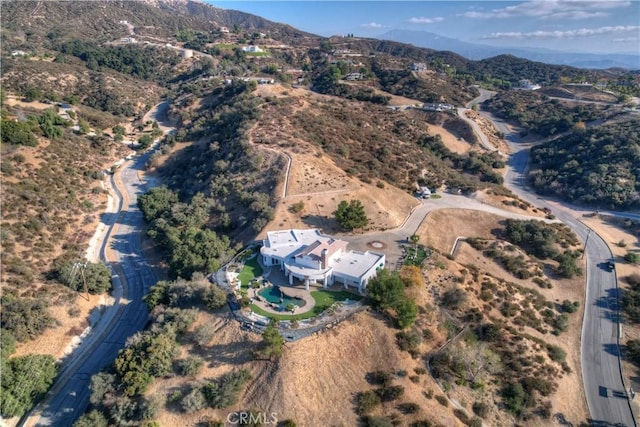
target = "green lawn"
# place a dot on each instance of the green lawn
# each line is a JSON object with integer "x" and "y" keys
{"x": 250, "y": 271}
{"x": 226, "y": 46}
{"x": 257, "y": 53}
{"x": 323, "y": 299}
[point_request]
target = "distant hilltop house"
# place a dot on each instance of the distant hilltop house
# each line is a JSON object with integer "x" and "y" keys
{"x": 224, "y": 30}
{"x": 251, "y": 49}
{"x": 437, "y": 106}
{"x": 312, "y": 257}
{"x": 124, "y": 22}
{"x": 128, "y": 40}
{"x": 418, "y": 66}
{"x": 19, "y": 53}
{"x": 527, "y": 85}
{"x": 64, "y": 111}
{"x": 354, "y": 76}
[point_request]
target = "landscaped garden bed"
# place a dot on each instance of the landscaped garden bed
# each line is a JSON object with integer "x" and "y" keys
{"x": 324, "y": 300}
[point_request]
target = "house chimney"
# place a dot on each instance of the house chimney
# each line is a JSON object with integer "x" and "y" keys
{"x": 323, "y": 259}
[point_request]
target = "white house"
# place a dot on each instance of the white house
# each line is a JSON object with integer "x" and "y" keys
{"x": 312, "y": 257}
{"x": 418, "y": 66}
{"x": 354, "y": 76}
{"x": 437, "y": 106}
{"x": 527, "y": 85}
{"x": 251, "y": 49}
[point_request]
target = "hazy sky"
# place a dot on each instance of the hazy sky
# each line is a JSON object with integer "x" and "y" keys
{"x": 609, "y": 26}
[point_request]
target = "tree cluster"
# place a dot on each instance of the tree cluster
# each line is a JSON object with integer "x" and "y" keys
{"x": 146, "y": 63}
{"x": 183, "y": 230}
{"x": 539, "y": 114}
{"x": 272, "y": 342}
{"x": 543, "y": 240}
{"x": 387, "y": 291}
{"x": 186, "y": 293}
{"x": 18, "y": 133}
{"x": 25, "y": 379}
{"x": 24, "y": 318}
{"x": 596, "y": 167}
{"x": 94, "y": 278}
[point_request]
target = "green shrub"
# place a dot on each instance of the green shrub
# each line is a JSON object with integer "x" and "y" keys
{"x": 408, "y": 408}
{"x": 189, "y": 367}
{"x": 454, "y": 298}
{"x": 193, "y": 401}
{"x": 371, "y": 421}
{"x": 408, "y": 341}
{"x": 93, "y": 418}
{"x": 203, "y": 334}
{"x": 632, "y": 257}
{"x": 570, "y": 307}
{"x": 632, "y": 351}
{"x": 481, "y": 409}
{"x": 215, "y": 297}
{"x": 389, "y": 393}
{"x": 224, "y": 392}
{"x": 461, "y": 415}
{"x": 442, "y": 400}
{"x": 366, "y": 402}
{"x": 297, "y": 207}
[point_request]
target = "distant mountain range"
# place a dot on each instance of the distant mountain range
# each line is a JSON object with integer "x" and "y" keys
{"x": 479, "y": 51}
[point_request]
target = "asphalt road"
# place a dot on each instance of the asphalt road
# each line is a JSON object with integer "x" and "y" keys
{"x": 392, "y": 239}
{"x": 69, "y": 396}
{"x": 601, "y": 369}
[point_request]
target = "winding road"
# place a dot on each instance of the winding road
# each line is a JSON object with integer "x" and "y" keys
{"x": 601, "y": 367}
{"x": 132, "y": 276}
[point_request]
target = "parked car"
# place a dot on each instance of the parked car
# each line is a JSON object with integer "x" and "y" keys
{"x": 611, "y": 265}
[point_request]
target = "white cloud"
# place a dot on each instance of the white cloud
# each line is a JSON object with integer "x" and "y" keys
{"x": 626, "y": 39}
{"x": 583, "y": 32}
{"x": 425, "y": 20}
{"x": 552, "y": 9}
{"x": 373, "y": 25}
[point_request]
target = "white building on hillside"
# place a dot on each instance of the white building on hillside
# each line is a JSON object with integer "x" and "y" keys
{"x": 312, "y": 257}
{"x": 527, "y": 85}
{"x": 254, "y": 49}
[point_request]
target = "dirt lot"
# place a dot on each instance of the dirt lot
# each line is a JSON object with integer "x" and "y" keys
{"x": 35, "y": 105}
{"x": 508, "y": 203}
{"x": 320, "y": 186}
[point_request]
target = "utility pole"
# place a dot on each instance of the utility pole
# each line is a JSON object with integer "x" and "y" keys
{"x": 84, "y": 280}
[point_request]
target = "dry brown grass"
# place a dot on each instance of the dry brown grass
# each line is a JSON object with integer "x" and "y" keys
{"x": 320, "y": 185}
{"x": 451, "y": 223}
